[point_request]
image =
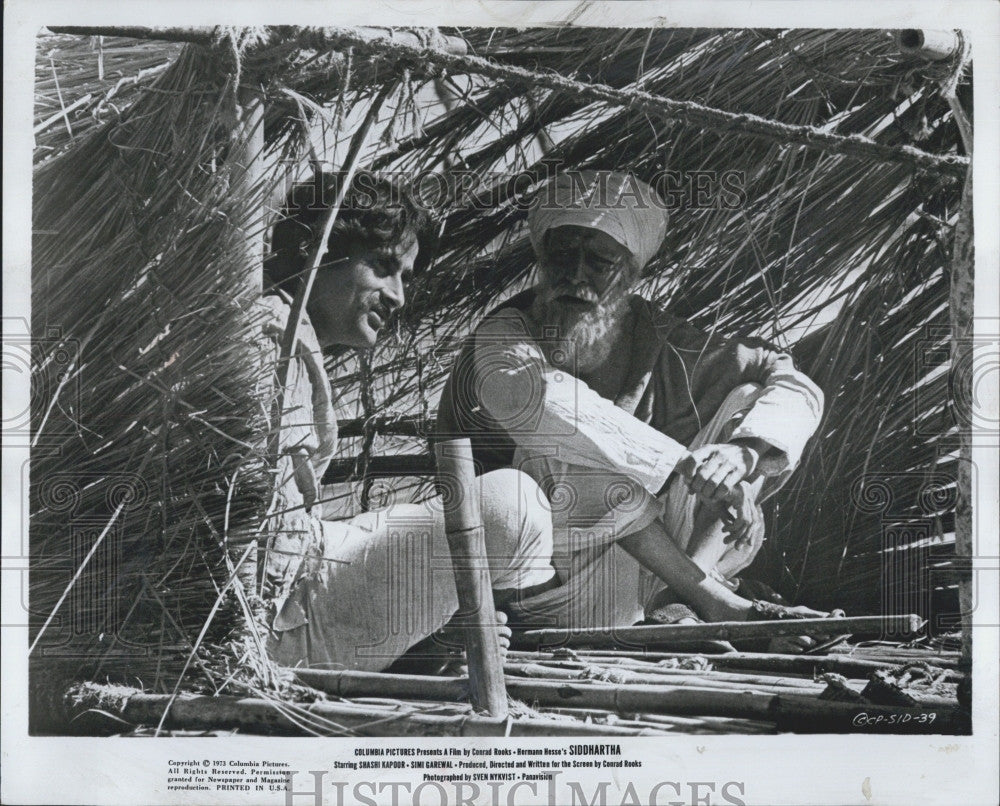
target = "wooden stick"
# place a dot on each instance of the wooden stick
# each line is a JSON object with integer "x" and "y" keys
{"x": 427, "y": 687}
{"x": 847, "y": 665}
{"x": 260, "y": 716}
{"x": 314, "y": 38}
{"x": 961, "y": 312}
{"x": 928, "y": 43}
{"x": 711, "y": 726}
{"x": 664, "y": 672}
{"x": 61, "y": 113}
{"x": 791, "y": 710}
{"x": 631, "y": 676}
{"x": 649, "y": 635}
{"x": 467, "y": 542}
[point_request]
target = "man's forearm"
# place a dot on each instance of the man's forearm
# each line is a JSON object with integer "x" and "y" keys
{"x": 656, "y": 552}
{"x": 543, "y": 407}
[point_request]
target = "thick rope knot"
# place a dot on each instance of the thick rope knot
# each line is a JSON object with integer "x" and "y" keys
{"x": 236, "y": 41}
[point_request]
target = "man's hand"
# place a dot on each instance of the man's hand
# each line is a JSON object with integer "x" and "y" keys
{"x": 743, "y": 521}
{"x": 713, "y": 472}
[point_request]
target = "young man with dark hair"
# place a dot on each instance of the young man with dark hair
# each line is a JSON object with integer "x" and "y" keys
{"x": 357, "y": 593}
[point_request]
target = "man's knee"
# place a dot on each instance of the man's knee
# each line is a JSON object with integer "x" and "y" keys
{"x": 516, "y": 513}
{"x": 737, "y": 404}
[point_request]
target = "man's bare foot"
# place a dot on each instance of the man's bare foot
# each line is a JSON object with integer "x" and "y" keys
{"x": 442, "y": 652}
{"x": 504, "y": 634}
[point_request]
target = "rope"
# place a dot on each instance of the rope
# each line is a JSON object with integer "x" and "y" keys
{"x": 949, "y": 90}
{"x": 689, "y": 112}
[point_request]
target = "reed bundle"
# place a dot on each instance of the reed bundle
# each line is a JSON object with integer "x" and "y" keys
{"x": 147, "y": 475}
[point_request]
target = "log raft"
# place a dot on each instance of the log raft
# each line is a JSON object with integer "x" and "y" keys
{"x": 599, "y": 692}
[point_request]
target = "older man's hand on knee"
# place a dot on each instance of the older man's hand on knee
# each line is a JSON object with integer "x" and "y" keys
{"x": 714, "y": 472}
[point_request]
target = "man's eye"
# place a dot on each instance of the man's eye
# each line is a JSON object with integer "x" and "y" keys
{"x": 600, "y": 264}
{"x": 563, "y": 255}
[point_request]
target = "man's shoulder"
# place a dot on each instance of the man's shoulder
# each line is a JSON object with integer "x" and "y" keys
{"x": 274, "y": 310}
{"x": 506, "y": 317}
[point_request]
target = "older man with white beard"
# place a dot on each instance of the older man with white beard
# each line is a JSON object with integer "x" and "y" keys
{"x": 654, "y": 441}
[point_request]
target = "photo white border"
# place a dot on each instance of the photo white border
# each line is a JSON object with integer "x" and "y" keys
{"x": 787, "y": 769}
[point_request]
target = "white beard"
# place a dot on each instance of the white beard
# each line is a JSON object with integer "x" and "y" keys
{"x": 592, "y": 332}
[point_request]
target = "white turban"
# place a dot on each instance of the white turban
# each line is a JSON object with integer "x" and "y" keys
{"x": 628, "y": 210}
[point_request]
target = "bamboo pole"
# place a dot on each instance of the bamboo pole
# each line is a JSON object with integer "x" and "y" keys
{"x": 315, "y": 38}
{"x": 246, "y": 178}
{"x": 648, "y": 635}
{"x": 579, "y": 673}
{"x": 847, "y": 665}
{"x": 712, "y": 724}
{"x": 644, "y": 671}
{"x": 259, "y": 716}
{"x": 961, "y": 311}
{"x": 467, "y": 542}
{"x": 427, "y": 687}
{"x": 793, "y": 710}
{"x": 928, "y": 44}
{"x": 378, "y": 684}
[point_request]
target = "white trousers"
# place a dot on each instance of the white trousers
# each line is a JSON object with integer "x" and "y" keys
{"x": 385, "y": 579}
{"x": 603, "y": 585}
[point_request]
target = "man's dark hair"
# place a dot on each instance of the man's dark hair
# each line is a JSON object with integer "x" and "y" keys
{"x": 376, "y": 213}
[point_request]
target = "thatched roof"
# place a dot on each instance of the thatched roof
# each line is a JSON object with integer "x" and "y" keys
{"x": 838, "y": 249}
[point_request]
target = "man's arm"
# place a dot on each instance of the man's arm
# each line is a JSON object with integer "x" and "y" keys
{"x": 542, "y": 406}
{"x": 770, "y": 438}
{"x": 785, "y": 415}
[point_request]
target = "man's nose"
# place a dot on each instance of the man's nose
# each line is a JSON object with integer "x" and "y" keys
{"x": 580, "y": 273}
{"x": 393, "y": 292}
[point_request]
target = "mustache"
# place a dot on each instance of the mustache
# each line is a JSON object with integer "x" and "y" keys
{"x": 584, "y": 291}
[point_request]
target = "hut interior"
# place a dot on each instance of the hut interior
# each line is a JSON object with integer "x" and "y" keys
{"x": 162, "y": 157}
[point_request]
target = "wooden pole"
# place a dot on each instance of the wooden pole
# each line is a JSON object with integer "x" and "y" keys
{"x": 708, "y": 680}
{"x": 313, "y": 38}
{"x": 246, "y": 173}
{"x": 961, "y": 309}
{"x": 627, "y": 671}
{"x": 111, "y": 705}
{"x": 847, "y": 665}
{"x": 646, "y": 635}
{"x": 467, "y": 541}
{"x": 794, "y": 709}
{"x": 928, "y": 44}
{"x": 428, "y": 687}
